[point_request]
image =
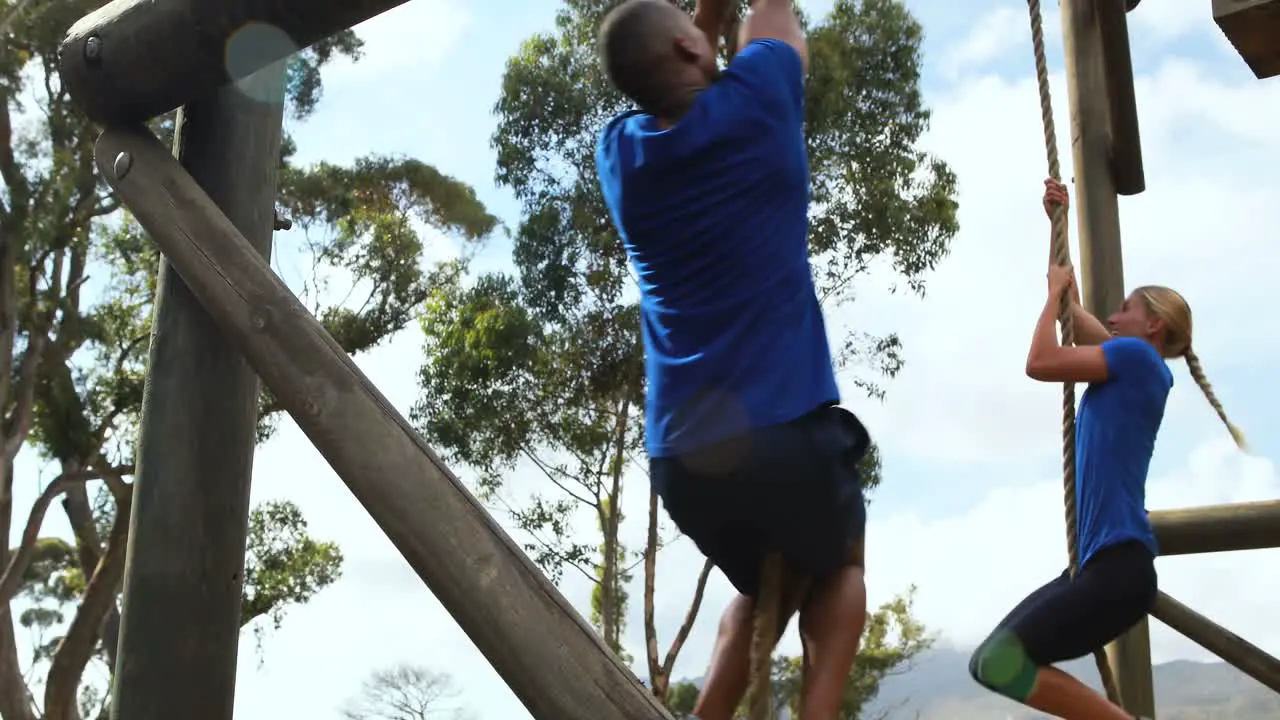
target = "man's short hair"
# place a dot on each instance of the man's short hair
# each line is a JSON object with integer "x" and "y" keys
{"x": 635, "y": 44}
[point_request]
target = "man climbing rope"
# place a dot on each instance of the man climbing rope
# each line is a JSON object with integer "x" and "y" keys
{"x": 708, "y": 185}
{"x": 1120, "y": 414}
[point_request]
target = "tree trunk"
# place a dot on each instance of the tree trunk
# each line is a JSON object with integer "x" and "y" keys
{"x": 15, "y": 699}
{"x": 611, "y": 605}
{"x": 76, "y": 648}
{"x": 89, "y": 546}
{"x": 657, "y": 682}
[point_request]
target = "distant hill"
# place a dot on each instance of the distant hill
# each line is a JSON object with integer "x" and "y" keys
{"x": 939, "y": 688}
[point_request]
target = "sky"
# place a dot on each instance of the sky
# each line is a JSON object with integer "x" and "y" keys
{"x": 970, "y": 509}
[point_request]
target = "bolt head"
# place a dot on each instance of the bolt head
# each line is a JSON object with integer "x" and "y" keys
{"x": 93, "y": 48}
{"x": 122, "y": 165}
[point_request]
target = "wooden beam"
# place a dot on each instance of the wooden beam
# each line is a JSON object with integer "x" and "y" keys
{"x": 553, "y": 661}
{"x": 1101, "y": 264}
{"x": 1218, "y": 528}
{"x": 1246, "y": 657}
{"x": 1253, "y": 27}
{"x": 1130, "y": 658}
{"x": 1126, "y": 143}
{"x": 180, "y": 628}
{"x": 132, "y": 60}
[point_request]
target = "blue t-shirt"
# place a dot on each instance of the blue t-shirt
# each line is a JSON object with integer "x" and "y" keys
{"x": 1115, "y": 437}
{"x": 714, "y": 216}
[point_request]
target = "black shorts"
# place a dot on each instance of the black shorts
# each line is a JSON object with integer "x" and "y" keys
{"x": 1067, "y": 619}
{"x": 792, "y": 488}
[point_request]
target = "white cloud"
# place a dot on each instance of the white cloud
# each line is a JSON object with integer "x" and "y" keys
{"x": 996, "y": 35}
{"x": 961, "y": 413}
{"x": 961, "y": 418}
{"x": 1171, "y": 19}
{"x": 421, "y": 35}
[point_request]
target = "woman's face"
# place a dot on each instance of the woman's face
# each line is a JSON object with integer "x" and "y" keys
{"x": 1134, "y": 319}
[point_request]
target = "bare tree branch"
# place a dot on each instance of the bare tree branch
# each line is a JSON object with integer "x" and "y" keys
{"x": 11, "y": 580}
{"x": 77, "y": 646}
{"x": 687, "y": 626}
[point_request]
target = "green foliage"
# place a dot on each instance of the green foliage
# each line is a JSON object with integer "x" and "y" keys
{"x": 545, "y": 369}
{"x": 284, "y": 565}
{"x": 681, "y": 698}
{"x": 875, "y": 194}
{"x": 892, "y": 639}
{"x": 77, "y": 284}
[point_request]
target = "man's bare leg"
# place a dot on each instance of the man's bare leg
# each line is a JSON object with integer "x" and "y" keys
{"x": 831, "y": 624}
{"x": 730, "y": 672}
{"x": 728, "y": 675}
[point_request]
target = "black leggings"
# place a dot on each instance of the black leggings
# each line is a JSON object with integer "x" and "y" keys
{"x": 1066, "y": 619}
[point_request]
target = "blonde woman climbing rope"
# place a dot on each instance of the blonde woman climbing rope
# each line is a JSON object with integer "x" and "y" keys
{"x": 708, "y": 185}
{"x": 1120, "y": 413}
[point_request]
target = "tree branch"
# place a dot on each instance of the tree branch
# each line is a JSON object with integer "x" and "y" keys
{"x": 538, "y": 463}
{"x": 685, "y": 628}
{"x": 24, "y": 397}
{"x": 77, "y": 646}
{"x": 656, "y": 682}
{"x": 11, "y": 580}
{"x": 9, "y": 171}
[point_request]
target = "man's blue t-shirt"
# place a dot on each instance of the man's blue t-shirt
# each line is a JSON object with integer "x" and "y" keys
{"x": 714, "y": 216}
{"x": 1115, "y": 437}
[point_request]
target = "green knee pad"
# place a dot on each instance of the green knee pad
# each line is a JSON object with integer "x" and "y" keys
{"x": 1002, "y": 665}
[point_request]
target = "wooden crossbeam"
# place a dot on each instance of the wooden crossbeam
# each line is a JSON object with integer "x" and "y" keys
{"x": 1235, "y": 650}
{"x": 1253, "y": 27}
{"x": 1218, "y": 528}
{"x": 549, "y": 656}
{"x": 132, "y": 60}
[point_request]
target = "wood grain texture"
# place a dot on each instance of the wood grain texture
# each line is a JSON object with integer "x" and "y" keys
{"x": 1235, "y": 650}
{"x": 180, "y": 626}
{"x": 552, "y": 660}
{"x": 1253, "y": 27}
{"x": 1101, "y": 263}
{"x": 1127, "y": 172}
{"x": 1218, "y": 528}
{"x": 132, "y": 60}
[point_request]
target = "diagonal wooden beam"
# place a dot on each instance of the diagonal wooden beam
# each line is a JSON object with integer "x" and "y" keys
{"x": 549, "y": 656}
{"x": 1245, "y": 656}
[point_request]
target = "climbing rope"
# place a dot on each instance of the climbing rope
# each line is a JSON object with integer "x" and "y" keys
{"x": 1062, "y": 256}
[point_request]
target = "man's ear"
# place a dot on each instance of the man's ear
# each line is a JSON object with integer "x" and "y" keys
{"x": 687, "y": 50}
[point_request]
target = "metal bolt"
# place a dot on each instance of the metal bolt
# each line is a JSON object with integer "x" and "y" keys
{"x": 93, "y": 49}
{"x": 123, "y": 164}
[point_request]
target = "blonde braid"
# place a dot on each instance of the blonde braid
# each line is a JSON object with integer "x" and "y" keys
{"x": 1197, "y": 374}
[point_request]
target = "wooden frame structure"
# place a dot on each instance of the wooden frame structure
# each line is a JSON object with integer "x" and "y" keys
{"x": 1107, "y": 159}
{"x": 222, "y": 311}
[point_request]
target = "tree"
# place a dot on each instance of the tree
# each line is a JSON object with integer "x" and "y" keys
{"x": 77, "y": 281}
{"x": 892, "y": 640}
{"x": 681, "y": 698}
{"x": 406, "y": 692}
{"x": 544, "y": 369}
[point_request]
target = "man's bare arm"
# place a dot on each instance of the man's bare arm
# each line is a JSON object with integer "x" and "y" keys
{"x": 774, "y": 20}
{"x": 710, "y": 17}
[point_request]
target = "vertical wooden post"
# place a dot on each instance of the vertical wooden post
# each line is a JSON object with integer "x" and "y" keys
{"x": 1101, "y": 265}
{"x": 181, "y": 620}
